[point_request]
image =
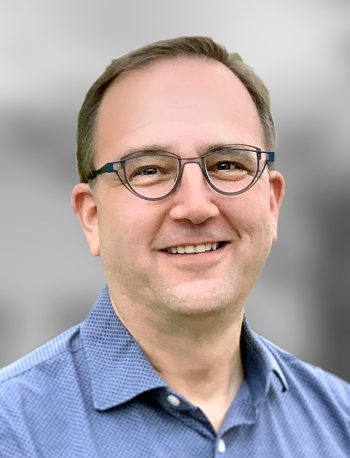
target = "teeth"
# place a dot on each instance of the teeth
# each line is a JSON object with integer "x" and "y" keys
{"x": 200, "y": 249}
{"x": 190, "y": 249}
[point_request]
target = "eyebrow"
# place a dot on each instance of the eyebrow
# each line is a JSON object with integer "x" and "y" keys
{"x": 154, "y": 148}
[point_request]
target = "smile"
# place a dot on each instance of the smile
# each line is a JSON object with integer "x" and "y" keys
{"x": 194, "y": 249}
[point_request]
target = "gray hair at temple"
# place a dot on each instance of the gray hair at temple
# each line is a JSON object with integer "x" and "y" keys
{"x": 201, "y": 47}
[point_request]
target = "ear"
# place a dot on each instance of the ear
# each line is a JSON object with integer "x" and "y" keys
{"x": 84, "y": 205}
{"x": 277, "y": 190}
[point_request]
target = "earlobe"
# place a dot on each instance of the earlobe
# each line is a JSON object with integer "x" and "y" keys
{"x": 84, "y": 205}
{"x": 277, "y": 190}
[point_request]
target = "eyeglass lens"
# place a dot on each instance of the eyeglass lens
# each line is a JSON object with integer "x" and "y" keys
{"x": 154, "y": 175}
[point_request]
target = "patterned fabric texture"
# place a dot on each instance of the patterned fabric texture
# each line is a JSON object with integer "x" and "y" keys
{"x": 91, "y": 392}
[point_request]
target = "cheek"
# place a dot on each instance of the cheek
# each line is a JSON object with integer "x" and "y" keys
{"x": 124, "y": 227}
{"x": 250, "y": 218}
{"x": 249, "y": 211}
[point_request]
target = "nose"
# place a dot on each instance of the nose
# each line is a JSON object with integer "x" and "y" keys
{"x": 193, "y": 200}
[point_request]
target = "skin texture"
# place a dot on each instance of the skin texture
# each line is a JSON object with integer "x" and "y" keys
{"x": 184, "y": 310}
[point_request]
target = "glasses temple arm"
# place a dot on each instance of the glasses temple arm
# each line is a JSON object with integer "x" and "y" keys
{"x": 107, "y": 168}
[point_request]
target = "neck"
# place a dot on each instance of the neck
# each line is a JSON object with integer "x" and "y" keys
{"x": 197, "y": 355}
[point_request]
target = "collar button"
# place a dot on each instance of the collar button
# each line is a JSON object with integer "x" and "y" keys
{"x": 173, "y": 400}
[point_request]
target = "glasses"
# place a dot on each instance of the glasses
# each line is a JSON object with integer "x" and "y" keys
{"x": 155, "y": 174}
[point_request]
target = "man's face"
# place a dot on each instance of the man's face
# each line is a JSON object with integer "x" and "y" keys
{"x": 185, "y": 106}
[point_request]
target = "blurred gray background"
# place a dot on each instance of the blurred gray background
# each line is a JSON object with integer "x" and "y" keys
{"x": 51, "y": 51}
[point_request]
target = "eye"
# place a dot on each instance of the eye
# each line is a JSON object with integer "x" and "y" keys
{"x": 227, "y": 165}
{"x": 147, "y": 171}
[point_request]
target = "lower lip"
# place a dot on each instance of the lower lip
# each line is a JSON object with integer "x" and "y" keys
{"x": 197, "y": 257}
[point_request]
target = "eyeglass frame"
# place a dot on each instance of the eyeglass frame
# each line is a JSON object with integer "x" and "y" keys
{"x": 200, "y": 160}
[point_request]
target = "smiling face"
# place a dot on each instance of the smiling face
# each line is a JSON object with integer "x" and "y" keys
{"x": 155, "y": 252}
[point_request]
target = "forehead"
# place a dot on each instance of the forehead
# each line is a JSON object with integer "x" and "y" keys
{"x": 182, "y": 103}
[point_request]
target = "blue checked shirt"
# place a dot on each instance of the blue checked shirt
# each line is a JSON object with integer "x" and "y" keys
{"x": 91, "y": 392}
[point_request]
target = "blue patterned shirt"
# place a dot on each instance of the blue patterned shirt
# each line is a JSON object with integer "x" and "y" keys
{"x": 91, "y": 392}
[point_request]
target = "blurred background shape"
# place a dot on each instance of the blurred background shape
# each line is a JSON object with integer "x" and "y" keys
{"x": 52, "y": 51}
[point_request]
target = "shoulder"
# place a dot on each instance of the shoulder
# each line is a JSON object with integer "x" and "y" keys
{"x": 37, "y": 387}
{"x": 42, "y": 363}
{"x": 312, "y": 384}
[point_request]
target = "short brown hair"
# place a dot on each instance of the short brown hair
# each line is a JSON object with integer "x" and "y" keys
{"x": 202, "y": 47}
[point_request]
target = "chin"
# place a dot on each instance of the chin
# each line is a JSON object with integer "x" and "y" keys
{"x": 197, "y": 298}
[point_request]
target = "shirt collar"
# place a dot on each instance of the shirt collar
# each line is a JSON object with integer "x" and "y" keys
{"x": 260, "y": 365}
{"x": 120, "y": 371}
{"x": 118, "y": 368}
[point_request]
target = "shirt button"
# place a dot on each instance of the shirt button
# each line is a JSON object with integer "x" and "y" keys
{"x": 173, "y": 400}
{"x": 221, "y": 446}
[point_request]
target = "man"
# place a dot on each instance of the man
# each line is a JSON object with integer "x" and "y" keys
{"x": 180, "y": 198}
